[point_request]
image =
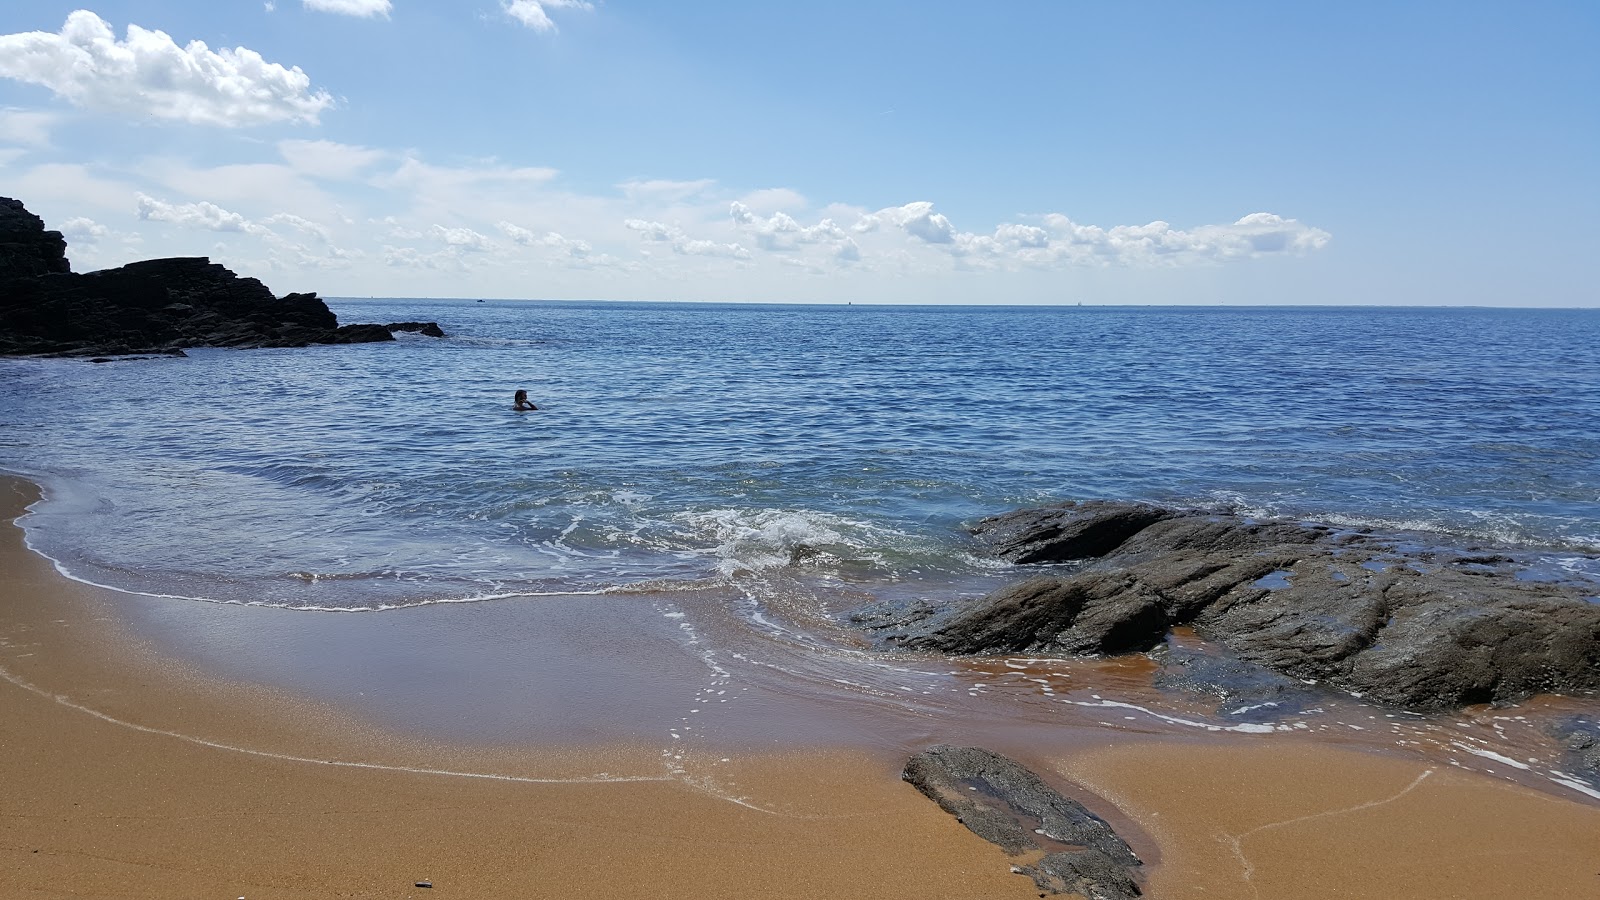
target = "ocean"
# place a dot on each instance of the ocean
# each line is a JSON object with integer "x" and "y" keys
{"x": 746, "y": 472}
{"x": 681, "y": 442}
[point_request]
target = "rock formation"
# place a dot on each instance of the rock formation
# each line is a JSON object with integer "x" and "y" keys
{"x": 152, "y": 306}
{"x": 1399, "y": 621}
{"x": 1069, "y": 849}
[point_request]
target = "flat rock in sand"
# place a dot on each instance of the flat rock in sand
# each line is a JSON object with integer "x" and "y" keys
{"x": 1071, "y": 850}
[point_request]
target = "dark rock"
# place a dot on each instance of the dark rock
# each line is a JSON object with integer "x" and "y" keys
{"x": 1065, "y": 532}
{"x": 1083, "y": 615}
{"x": 27, "y": 250}
{"x": 1581, "y": 736}
{"x": 1011, "y": 807}
{"x": 361, "y": 334}
{"x": 1244, "y": 691}
{"x": 1087, "y": 873}
{"x": 431, "y": 329}
{"x": 151, "y": 306}
{"x": 1390, "y": 617}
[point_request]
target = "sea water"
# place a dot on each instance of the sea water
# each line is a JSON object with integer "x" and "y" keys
{"x": 685, "y": 442}
{"x": 706, "y": 489}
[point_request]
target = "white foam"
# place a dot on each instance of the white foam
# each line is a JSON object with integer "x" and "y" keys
{"x": 1490, "y": 754}
{"x": 1243, "y": 728}
{"x": 758, "y": 540}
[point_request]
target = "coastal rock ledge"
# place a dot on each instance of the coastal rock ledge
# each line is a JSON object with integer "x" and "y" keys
{"x": 152, "y": 306}
{"x": 1406, "y": 621}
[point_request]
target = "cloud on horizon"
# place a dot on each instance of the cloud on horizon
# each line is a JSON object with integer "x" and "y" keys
{"x": 365, "y": 9}
{"x": 148, "y": 74}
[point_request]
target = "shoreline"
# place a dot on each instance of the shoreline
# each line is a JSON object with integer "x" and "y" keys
{"x": 137, "y": 774}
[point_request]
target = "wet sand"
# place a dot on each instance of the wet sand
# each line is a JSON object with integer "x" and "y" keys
{"x": 129, "y": 773}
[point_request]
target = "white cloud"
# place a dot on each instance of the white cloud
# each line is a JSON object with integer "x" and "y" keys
{"x": 83, "y": 230}
{"x": 395, "y": 229}
{"x": 447, "y": 182}
{"x": 916, "y": 219}
{"x": 654, "y": 231}
{"x": 463, "y": 239}
{"x": 780, "y": 231}
{"x": 148, "y": 74}
{"x": 197, "y": 215}
{"x": 517, "y": 233}
{"x": 771, "y": 200}
{"x": 568, "y": 246}
{"x": 1158, "y": 243}
{"x": 304, "y": 225}
{"x": 361, "y": 8}
{"x": 532, "y": 13}
{"x": 562, "y": 245}
{"x": 660, "y": 190}
{"x": 1061, "y": 241}
{"x": 681, "y": 243}
{"x": 28, "y": 128}
{"x": 328, "y": 159}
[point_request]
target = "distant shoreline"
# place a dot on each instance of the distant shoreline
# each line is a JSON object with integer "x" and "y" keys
{"x": 867, "y": 304}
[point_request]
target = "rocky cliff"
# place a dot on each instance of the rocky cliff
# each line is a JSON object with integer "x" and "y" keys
{"x": 152, "y": 306}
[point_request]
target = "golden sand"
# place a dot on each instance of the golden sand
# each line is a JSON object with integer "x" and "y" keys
{"x": 127, "y": 774}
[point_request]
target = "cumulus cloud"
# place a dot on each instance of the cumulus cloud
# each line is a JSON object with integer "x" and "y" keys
{"x": 360, "y": 8}
{"x": 517, "y": 233}
{"x": 148, "y": 74}
{"x": 566, "y": 246}
{"x": 681, "y": 243}
{"x": 462, "y": 239}
{"x": 83, "y": 230}
{"x": 1258, "y": 234}
{"x": 916, "y": 219}
{"x": 533, "y": 13}
{"x": 781, "y": 231}
{"x": 1061, "y": 241}
{"x": 203, "y": 215}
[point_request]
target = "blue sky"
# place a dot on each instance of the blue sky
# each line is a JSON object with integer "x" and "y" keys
{"x": 892, "y": 152}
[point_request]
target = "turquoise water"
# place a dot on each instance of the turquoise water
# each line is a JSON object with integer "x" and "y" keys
{"x": 841, "y": 447}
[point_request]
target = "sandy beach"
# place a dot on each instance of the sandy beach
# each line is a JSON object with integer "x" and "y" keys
{"x": 130, "y": 773}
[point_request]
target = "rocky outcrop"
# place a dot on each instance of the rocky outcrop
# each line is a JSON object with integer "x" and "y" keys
{"x": 431, "y": 329}
{"x": 26, "y": 248}
{"x": 1399, "y": 622}
{"x": 153, "y": 306}
{"x": 1069, "y": 849}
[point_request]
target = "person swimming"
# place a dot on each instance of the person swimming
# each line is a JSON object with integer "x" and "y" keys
{"x": 522, "y": 402}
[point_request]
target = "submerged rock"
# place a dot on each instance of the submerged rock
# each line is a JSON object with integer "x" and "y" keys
{"x": 1244, "y": 691}
{"x": 1580, "y": 736}
{"x": 1074, "y": 850}
{"x": 1425, "y": 628}
{"x": 153, "y": 306}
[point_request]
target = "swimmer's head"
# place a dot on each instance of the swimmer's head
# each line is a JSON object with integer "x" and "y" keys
{"x": 520, "y": 396}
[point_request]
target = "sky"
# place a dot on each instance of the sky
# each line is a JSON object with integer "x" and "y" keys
{"x": 872, "y": 151}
